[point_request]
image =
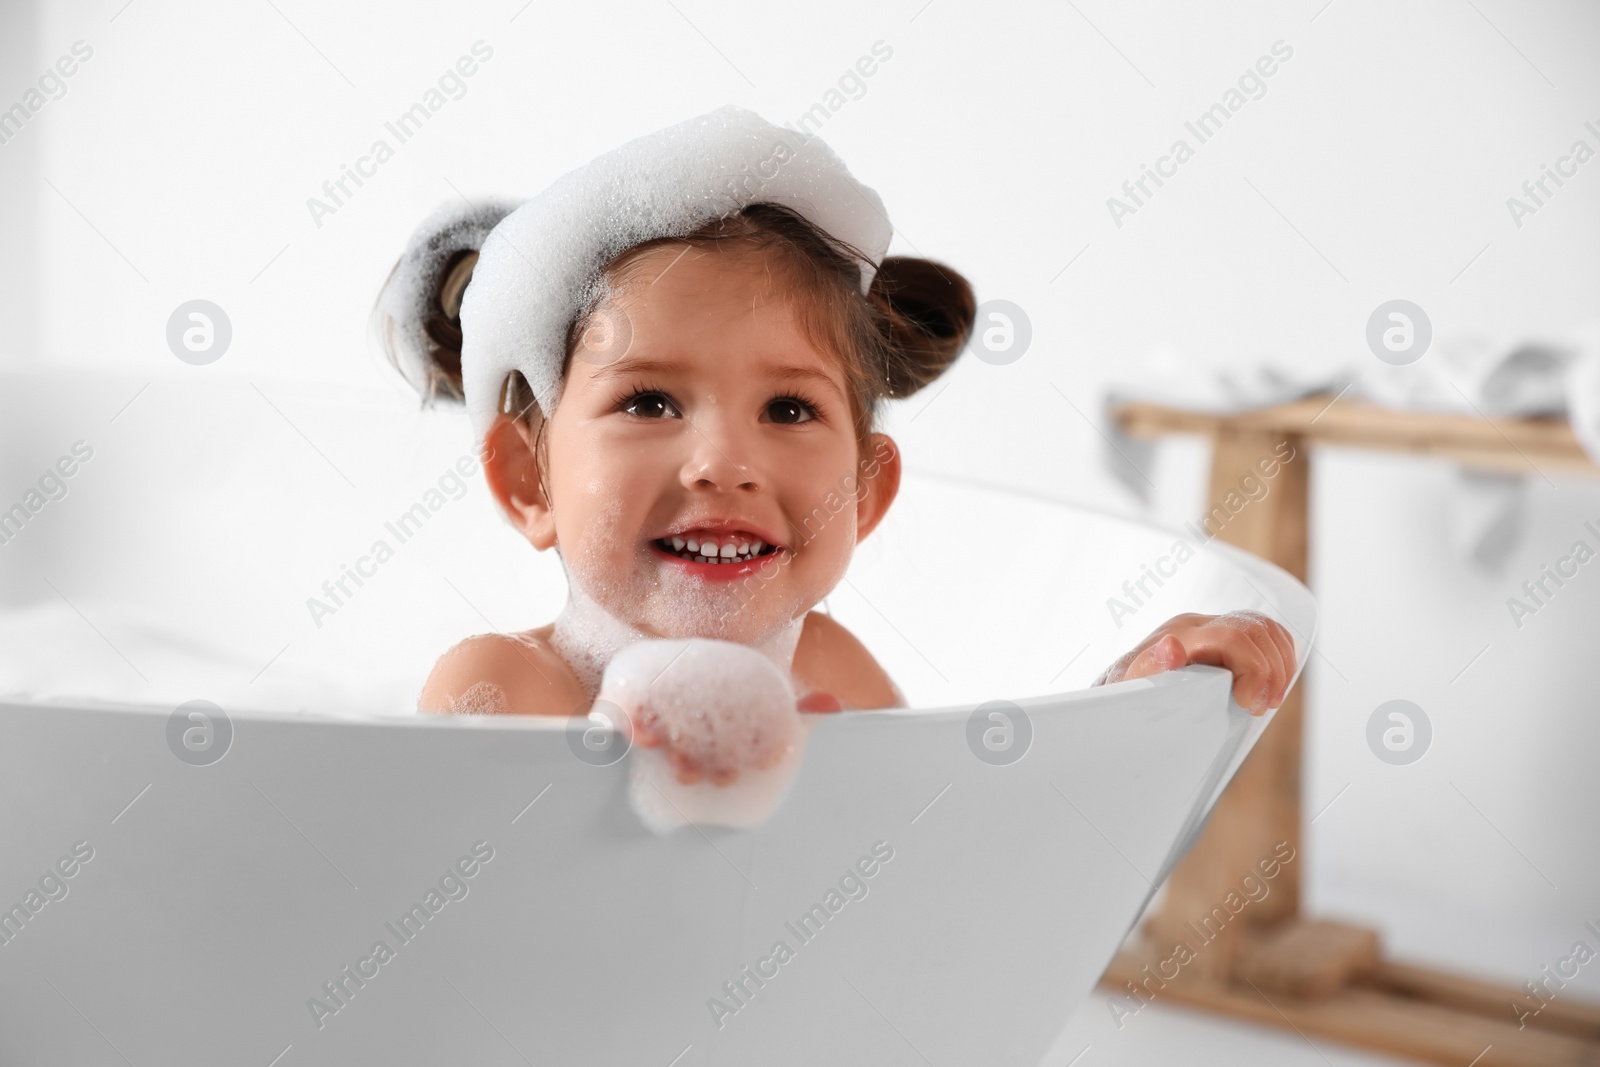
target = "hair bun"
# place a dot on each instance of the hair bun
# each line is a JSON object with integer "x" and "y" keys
{"x": 418, "y": 313}
{"x": 929, "y": 310}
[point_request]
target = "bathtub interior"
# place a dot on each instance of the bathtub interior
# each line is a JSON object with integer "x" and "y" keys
{"x": 186, "y": 559}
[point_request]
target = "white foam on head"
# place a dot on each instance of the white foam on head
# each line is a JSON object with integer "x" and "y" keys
{"x": 725, "y": 707}
{"x": 541, "y": 266}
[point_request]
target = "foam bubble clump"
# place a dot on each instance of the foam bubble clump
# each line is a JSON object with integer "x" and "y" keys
{"x": 407, "y": 300}
{"x": 723, "y": 707}
{"x": 540, "y": 268}
{"x": 481, "y": 698}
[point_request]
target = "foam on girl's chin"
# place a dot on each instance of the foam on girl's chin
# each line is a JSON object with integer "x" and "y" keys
{"x": 725, "y": 706}
{"x": 591, "y": 629}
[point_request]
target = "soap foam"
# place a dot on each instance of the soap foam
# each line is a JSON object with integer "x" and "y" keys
{"x": 707, "y": 664}
{"x": 408, "y": 300}
{"x": 723, "y": 706}
{"x": 543, "y": 263}
{"x": 588, "y": 635}
{"x": 610, "y": 607}
{"x": 480, "y": 698}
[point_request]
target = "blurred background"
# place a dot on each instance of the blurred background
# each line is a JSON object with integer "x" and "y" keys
{"x": 176, "y": 163}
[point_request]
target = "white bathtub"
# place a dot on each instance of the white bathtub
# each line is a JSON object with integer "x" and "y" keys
{"x": 177, "y": 566}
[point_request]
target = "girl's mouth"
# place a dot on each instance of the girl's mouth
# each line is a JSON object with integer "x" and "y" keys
{"x": 715, "y": 550}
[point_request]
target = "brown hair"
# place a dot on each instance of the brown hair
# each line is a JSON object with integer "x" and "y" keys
{"x": 909, "y": 327}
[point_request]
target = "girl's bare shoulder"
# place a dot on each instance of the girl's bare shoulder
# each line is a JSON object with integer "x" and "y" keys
{"x": 503, "y": 674}
{"x": 832, "y": 659}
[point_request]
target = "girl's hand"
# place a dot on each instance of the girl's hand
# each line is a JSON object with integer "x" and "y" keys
{"x": 819, "y": 703}
{"x": 696, "y": 757}
{"x": 711, "y": 709}
{"x": 1258, "y": 651}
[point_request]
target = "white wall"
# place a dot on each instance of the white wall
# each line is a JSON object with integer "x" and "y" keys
{"x": 183, "y": 153}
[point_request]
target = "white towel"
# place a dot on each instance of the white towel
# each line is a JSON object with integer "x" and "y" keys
{"x": 1476, "y": 375}
{"x": 1479, "y": 375}
{"x": 1491, "y": 377}
{"x": 1583, "y": 389}
{"x": 1166, "y": 376}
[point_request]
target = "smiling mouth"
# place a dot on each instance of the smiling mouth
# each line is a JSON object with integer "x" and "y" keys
{"x": 722, "y": 549}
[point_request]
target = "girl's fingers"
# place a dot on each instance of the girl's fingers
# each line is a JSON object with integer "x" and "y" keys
{"x": 1286, "y": 643}
{"x": 688, "y": 773}
{"x": 1277, "y": 638}
{"x": 819, "y": 703}
{"x": 1225, "y": 646}
{"x": 1258, "y": 651}
{"x": 645, "y": 736}
{"x": 1167, "y": 654}
{"x": 1258, "y": 628}
{"x": 1280, "y": 640}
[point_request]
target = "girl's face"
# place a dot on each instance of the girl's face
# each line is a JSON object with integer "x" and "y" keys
{"x": 720, "y": 425}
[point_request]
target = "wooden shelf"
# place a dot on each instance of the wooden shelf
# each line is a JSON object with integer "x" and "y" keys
{"x": 1522, "y": 446}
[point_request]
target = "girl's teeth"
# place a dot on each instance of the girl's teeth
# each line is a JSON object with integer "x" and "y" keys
{"x": 709, "y": 551}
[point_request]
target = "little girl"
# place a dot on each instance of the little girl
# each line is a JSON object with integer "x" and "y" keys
{"x": 674, "y": 359}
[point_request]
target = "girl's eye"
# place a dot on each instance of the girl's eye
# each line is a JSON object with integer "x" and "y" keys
{"x": 649, "y": 405}
{"x": 790, "y": 410}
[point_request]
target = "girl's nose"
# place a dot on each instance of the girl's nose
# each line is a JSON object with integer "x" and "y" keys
{"x": 719, "y": 457}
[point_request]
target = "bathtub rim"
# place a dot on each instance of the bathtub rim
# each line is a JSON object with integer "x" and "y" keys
{"x": 1192, "y": 674}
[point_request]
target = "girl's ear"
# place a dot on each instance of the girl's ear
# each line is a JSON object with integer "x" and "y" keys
{"x": 512, "y": 471}
{"x": 879, "y": 483}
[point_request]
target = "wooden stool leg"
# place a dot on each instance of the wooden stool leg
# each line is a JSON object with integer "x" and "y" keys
{"x": 1257, "y": 820}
